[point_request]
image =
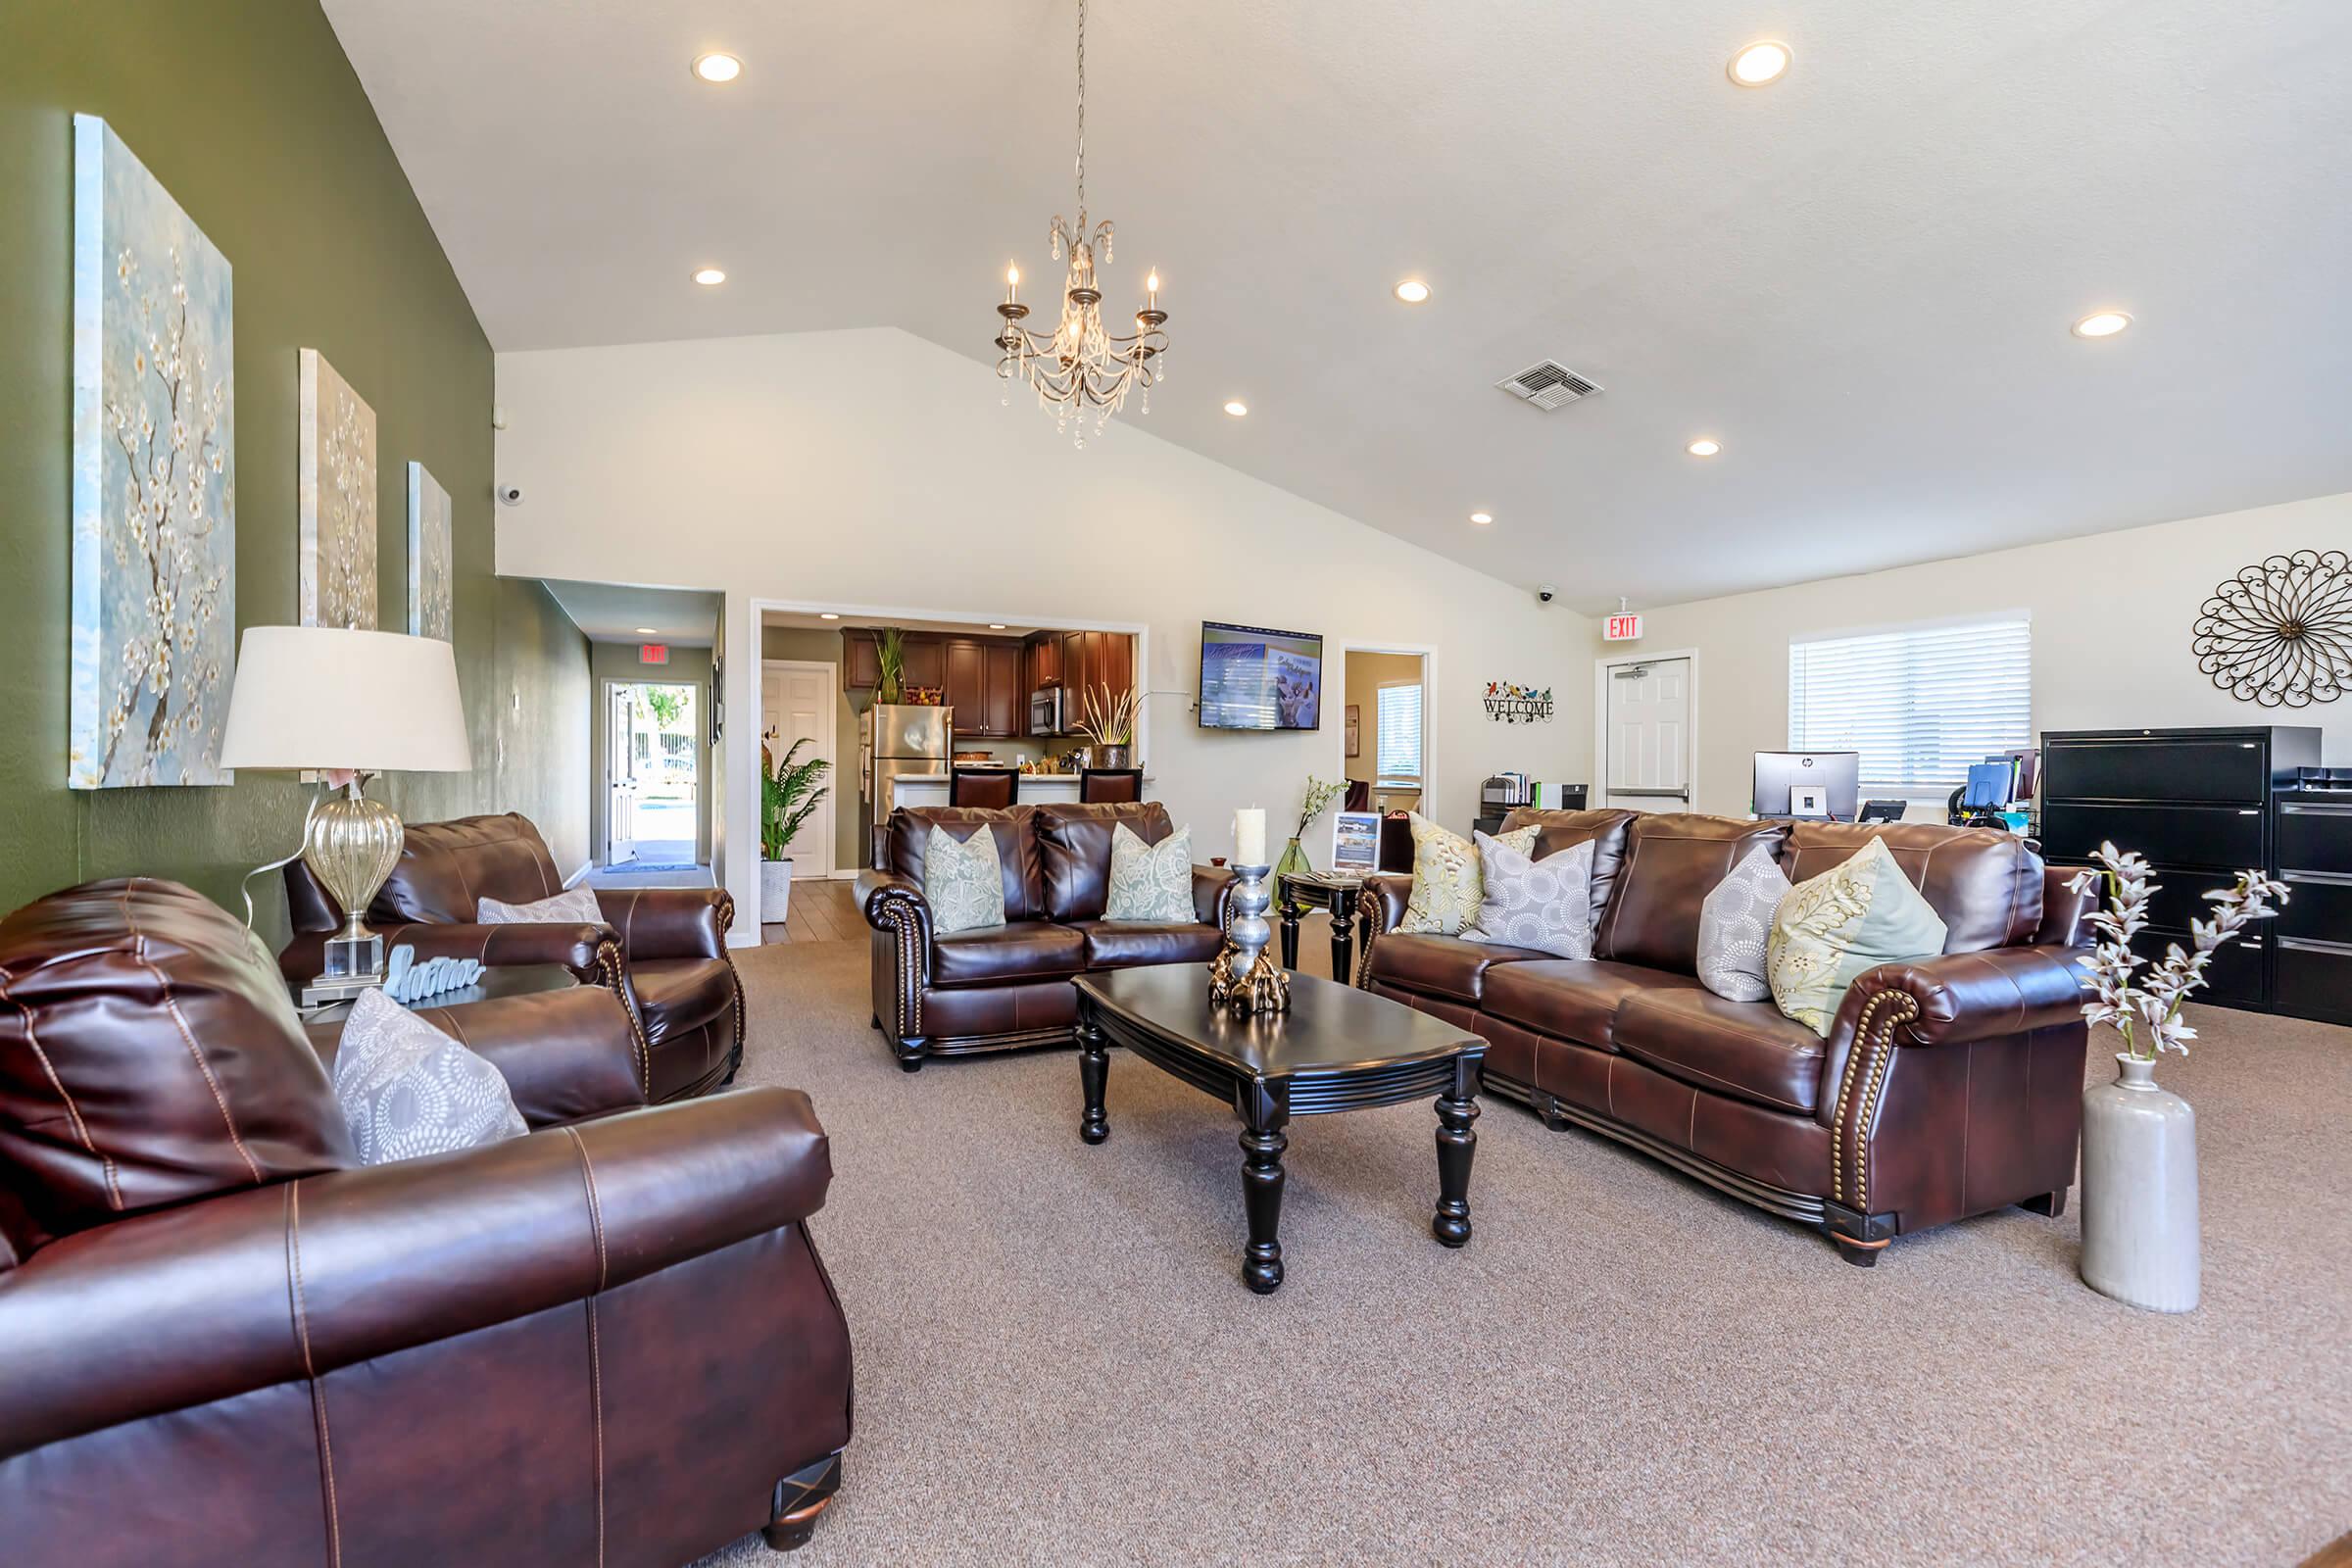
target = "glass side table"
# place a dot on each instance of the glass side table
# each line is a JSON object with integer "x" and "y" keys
{"x": 1334, "y": 891}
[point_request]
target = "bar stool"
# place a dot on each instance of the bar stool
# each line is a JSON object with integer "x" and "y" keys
{"x": 982, "y": 786}
{"x": 1107, "y": 785}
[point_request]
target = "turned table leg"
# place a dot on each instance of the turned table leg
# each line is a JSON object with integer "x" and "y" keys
{"x": 1287, "y": 907}
{"x": 1094, "y": 1073}
{"x": 1262, "y": 1197}
{"x": 1457, "y": 1143}
{"x": 1343, "y": 934}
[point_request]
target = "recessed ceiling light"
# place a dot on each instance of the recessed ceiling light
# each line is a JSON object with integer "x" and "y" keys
{"x": 1237, "y": 407}
{"x": 718, "y": 65}
{"x": 647, "y": 631}
{"x": 710, "y": 276}
{"x": 996, "y": 625}
{"x": 826, "y": 614}
{"x": 1412, "y": 291}
{"x": 1761, "y": 62}
{"x": 1481, "y": 516}
{"x": 1705, "y": 447}
{"x": 2102, "y": 323}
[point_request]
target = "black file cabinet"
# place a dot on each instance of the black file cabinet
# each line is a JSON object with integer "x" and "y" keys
{"x": 2202, "y": 805}
{"x": 2312, "y": 971}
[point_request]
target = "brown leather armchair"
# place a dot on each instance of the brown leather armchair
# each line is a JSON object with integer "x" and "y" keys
{"x": 1946, "y": 1088}
{"x": 663, "y": 950}
{"x": 1009, "y": 985}
{"x": 228, "y": 1345}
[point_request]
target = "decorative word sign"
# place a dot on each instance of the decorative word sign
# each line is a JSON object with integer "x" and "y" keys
{"x": 1621, "y": 628}
{"x": 1507, "y": 703}
{"x": 406, "y": 980}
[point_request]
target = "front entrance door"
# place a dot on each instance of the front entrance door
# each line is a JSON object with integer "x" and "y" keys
{"x": 1647, "y": 736}
{"x": 621, "y": 776}
{"x": 797, "y": 704}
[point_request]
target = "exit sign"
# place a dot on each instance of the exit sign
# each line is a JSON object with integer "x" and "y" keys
{"x": 653, "y": 652}
{"x": 1622, "y": 629}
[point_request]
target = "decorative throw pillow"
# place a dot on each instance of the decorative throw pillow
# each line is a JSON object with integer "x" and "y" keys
{"x": 1545, "y": 905}
{"x": 1150, "y": 881}
{"x": 572, "y": 907}
{"x": 1734, "y": 927}
{"x": 407, "y": 1088}
{"x": 1832, "y": 928}
{"x": 1446, "y": 887}
{"x": 963, "y": 881}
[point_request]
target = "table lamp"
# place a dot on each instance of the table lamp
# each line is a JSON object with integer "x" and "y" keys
{"x": 346, "y": 704}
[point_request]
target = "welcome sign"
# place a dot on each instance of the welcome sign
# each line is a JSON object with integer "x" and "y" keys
{"x": 1507, "y": 703}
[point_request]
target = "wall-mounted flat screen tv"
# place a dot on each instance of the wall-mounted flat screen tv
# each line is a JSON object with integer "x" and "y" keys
{"x": 1253, "y": 678}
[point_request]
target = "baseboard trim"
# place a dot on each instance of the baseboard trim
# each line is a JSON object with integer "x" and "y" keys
{"x": 576, "y": 877}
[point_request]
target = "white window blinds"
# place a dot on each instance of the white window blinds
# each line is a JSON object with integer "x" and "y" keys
{"x": 1398, "y": 753}
{"x": 1918, "y": 703}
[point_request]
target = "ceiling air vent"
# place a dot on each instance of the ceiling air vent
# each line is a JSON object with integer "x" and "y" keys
{"x": 1549, "y": 384}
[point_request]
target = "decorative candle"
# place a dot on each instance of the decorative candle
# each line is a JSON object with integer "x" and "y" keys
{"x": 1012, "y": 281}
{"x": 1250, "y": 836}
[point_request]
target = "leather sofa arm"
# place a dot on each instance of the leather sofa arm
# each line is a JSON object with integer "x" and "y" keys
{"x": 669, "y": 922}
{"x": 271, "y": 1285}
{"x": 1379, "y": 907}
{"x": 879, "y": 891}
{"x": 582, "y": 948}
{"x": 1213, "y": 895}
{"x": 566, "y": 1055}
{"x": 1975, "y": 996}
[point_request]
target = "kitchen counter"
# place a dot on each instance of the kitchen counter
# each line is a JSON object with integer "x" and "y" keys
{"x": 931, "y": 789}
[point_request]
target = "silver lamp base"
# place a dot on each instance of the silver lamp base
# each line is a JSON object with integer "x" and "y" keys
{"x": 352, "y": 844}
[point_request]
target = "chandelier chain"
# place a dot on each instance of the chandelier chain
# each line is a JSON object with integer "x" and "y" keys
{"x": 1082, "y": 110}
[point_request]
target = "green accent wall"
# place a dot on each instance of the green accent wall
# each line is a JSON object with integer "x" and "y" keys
{"x": 250, "y": 115}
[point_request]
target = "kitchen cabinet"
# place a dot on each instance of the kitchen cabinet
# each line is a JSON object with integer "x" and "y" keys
{"x": 1072, "y": 656}
{"x": 983, "y": 684}
{"x": 1044, "y": 654}
{"x": 927, "y": 662}
{"x": 966, "y": 683}
{"x": 861, "y": 662}
{"x": 1008, "y": 700}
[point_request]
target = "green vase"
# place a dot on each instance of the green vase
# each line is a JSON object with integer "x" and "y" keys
{"x": 1294, "y": 861}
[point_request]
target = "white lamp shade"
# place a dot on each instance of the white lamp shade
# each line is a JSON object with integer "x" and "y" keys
{"x": 320, "y": 697}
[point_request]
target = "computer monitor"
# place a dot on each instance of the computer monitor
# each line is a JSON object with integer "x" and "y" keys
{"x": 1837, "y": 774}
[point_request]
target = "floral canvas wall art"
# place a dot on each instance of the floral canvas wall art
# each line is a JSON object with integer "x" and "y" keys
{"x": 336, "y": 499}
{"x": 431, "y": 576}
{"x": 154, "y": 487}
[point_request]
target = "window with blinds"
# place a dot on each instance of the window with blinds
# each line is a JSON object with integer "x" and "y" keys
{"x": 1396, "y": 754}
{"x": 1918, "y": 703}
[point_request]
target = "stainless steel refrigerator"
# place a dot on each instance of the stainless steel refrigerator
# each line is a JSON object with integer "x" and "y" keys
{"x": 894, "y": 739}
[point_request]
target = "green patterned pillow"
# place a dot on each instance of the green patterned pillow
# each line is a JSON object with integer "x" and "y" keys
{"x": 1447, "y": 885}
{"x": 1832, "y": 928}
{"x": 963, "y": 883}
{"x": 1150, "y": 881}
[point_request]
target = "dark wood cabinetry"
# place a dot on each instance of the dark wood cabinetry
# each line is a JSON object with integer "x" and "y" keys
{"x": 2200, "y": 804}
{"x": 1007, "y": 699}
{"x": 987, "y": 680}
{"x": 861, "y": 662}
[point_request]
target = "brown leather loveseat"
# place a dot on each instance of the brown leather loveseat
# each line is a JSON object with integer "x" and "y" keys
{"x": 1946, "y": 1088}
{"x": 1009, "y": 985}
{"x": 226, "y": 1345}
{"x": 663, "y": 951}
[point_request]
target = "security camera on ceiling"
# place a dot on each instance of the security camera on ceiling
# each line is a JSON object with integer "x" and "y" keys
{"x": 1545, "y": 593}
{"x": 510, "y": 495}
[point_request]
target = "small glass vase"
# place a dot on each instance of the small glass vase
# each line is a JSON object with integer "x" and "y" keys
{"x": 1294, "y": 862}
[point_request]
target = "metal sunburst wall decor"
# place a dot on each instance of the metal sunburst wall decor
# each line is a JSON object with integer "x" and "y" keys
{"x": 2281, "y": 634}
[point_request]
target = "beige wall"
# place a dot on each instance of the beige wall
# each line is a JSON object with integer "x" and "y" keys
{"x": 871, "y": 470}
{"x": 824, "y": 646}
{"x": 2112, "y": 616}
{"x": 618, "y": 662}
{"x": 1366, "y": 674}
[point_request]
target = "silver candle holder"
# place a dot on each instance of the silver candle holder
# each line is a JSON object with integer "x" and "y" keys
{"x": 1243, "y": 978}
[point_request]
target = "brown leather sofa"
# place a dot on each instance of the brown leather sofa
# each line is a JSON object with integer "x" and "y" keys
{"x": 229, "y": 1346}
{"x": 1946, "y": 1088}
{"x": 1009, "y": 985}
{"x": 663, "y": 951}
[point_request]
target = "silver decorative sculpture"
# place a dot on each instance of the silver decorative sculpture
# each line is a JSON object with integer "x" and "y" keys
{"x": 1243, "y": 979}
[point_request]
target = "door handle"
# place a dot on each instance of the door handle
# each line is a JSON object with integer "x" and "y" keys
{"x": 1653, "y": 794}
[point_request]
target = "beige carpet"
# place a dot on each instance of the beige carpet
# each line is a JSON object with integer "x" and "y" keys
{"x": 1057, "y": 1361}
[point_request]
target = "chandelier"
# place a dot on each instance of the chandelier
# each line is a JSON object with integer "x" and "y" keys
{"x": 1082, "y": 366}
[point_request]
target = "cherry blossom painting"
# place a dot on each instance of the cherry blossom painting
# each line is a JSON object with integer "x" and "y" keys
{"x": 153, "y": 486}
{"x": 430, "y": 573}
{"x": 336, "y": 500}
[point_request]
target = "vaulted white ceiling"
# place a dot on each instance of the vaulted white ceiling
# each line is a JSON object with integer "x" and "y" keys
{"x": 1859, "y": 279}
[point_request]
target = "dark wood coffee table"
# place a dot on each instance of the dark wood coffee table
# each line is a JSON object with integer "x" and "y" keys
{"x": 1336, "y": 1048}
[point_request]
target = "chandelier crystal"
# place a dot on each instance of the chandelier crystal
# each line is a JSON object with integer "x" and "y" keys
{"x": 1082, "y": 366}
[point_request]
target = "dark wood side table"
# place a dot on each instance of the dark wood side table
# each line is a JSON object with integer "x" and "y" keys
{"x": 499, "y": 980}
{"x": 1336, "y": 891}
{"x": 1338, "y": 1049}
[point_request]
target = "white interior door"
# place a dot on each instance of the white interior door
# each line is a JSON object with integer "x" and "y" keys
{"x": 1647, "y": 767}
{"x": 797, "y": 703}
{"x": 620, "y": 777}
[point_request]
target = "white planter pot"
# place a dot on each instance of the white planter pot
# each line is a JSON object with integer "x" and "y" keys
{"x": 775, "y": 890}
{"x": 2139, "y": 1191}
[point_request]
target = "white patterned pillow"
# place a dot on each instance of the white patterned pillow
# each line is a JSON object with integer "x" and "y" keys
{"x": 1545, "y": 905}
{"x": 963, "y": 882}
{"x": 1734, "y": 927}
{"x": 1150, "y": 881}
{"x": 409, "y": 1090}
{"x": 573, "y": 906}
{"x": 1446, "y": 881}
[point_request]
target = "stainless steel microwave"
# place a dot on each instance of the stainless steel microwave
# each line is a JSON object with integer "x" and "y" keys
{"x": 1046, "y": 712}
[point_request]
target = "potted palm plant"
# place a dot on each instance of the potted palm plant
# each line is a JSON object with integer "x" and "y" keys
{"x": 790, "y": 792}
{"x": 1109, "y": 720}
